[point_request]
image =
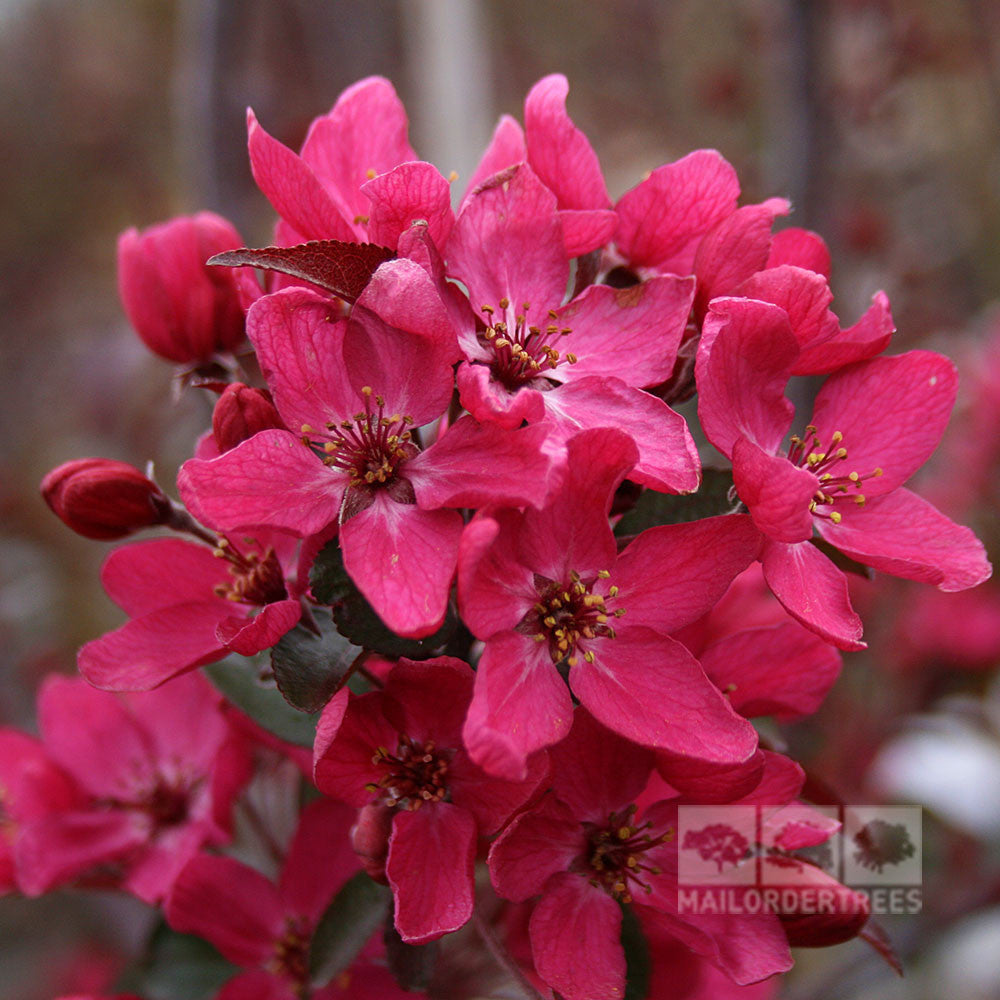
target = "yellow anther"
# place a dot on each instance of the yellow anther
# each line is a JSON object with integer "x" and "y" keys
{"x": 854, "y": 477}
{"x": 836, "y": 517}
{"x": 601, "y": 619}
{"x": 837, "y": 437}
{"x": 452, "y": 177}
{"x": 504, "y": 302}
{"x": 572, "y": 359}
{"x": 550, "y": 621}
{"x": 877, "y": 473}
{"x": 619, "y": 612}
{"x": 366, "y": 391}
{"x": 486, "y": 309}
{"x": 841, "y": 453}
{"x": 306, "y": 429}
{"x": 612, "y": 591}
{"x": 360, "y": 220}
{"x": 624, "y": 832}
{"x": 589, "y": 656}
{"x": 371, "y": 173}
{"x": 539, "y": 637}
{"x": 603, "y": 574}
{"x": 501, "y": 342}
{"x": 860, "y": 499}
{"x": 329, "y": 447}
{"x": 572, "y": 661}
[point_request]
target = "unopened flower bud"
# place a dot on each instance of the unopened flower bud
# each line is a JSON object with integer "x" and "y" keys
{"x": 182, "y": 309}
{"x": 240, "y": 412}
{"x": 370, "y": 839}
{"x": 105, "y": 499}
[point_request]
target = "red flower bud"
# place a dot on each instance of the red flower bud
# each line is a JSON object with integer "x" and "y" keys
{"x": 102, "y": 498}
{"x": 240, "y": 412}
{"x": 182, "y": 309}
{"x": 370, "y": 838}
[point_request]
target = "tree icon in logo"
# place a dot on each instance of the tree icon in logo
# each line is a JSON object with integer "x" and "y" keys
{"x": 718, "y": 842}
{"x": 880, "y": 843}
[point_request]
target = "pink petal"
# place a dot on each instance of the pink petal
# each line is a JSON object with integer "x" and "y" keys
{"x": 903, "y": 535}
{"x": 781, "y": 670}
{"x": 495, "y": 589}
{"x": 651, "y": 690}
{"x": 492, "y": 801}
{"x": 537, "y": 845}
{"x": 558, "y": 151}
{"x": 744, "y": 362}
{"x": 520, "y": 705}
{"x": 781, "y": 781}
{"x": 151, "y": 649}
{"x": 490, "y": 401}
{"x": 575, "y": 942}
{"x": 734, "y": 249}
{"x": 803, "y": 294}
{"x": 776, "y": 492}
{"x": 668, "y": 459}
{"x": 248, "y": 636}
{"x": 664, "y": 579}
{"x": 801, "y": 248}
{"x": 294, "y": 190}
{"x": 364, "y": 134}
{"x": 586, "y": 230}
{"x": 813, "y": 591}
{"x": 506, "y": 148}
{"x": 257, "y": 984}
{"x": 430, "y": 867}
{"x": 868, "y": 337}
{"x": 407, "y": 193}
{"x": 891, "y": 412}
{"x": 595, "y": 772}
{"x": 320, "y": 859}
{"x": 434, "y": 695}
{"x": 271, "y": 479}
{"x": 55, "y": 849}
{"x": 632, "y": 333}
{"x": 572, "y": 534}
{"x": 229, "y": 904}
{"x": 704, "y": 782}
{"x": 150, "y": 576}
{"x": 33, "y": 784}
{"x": 663, "y": 218}
{"x": 474, "y": 464}
{"x": 403, "y": 559}
{"x": 507, "y": 243}
{"x": 345, "y": 743}
{"x": 299, "y": 341}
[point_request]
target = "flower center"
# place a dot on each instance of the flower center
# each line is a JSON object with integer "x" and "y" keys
{"x": 567, "y": 615}
{"x": 257, "y": 578}
{"x": 522, "y": 352}
{"x": 415, "y": 774}
{"x": 836, "y": 485}
{"x": 291, "y": 953}
{"x": 368, "y": 446}
{"x": 616, "y": 862}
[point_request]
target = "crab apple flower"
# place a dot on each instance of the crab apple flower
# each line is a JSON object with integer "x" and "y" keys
{"x": 182, "y": 310}
{"x": 548, "y": 592}
{"x": 357, "y": 392}
{"x": 266, "y": 927}
{"x": 104, "y": 499}
{"x": 190, "y": 604}
{"x": 356, "y": 179}
{"x": 400, "y": 750}
{"x": 586, "y": 850}
{"x": 575, "y": 365}
{"x": 157, "y": 773}
{"x": 874, "y": 424}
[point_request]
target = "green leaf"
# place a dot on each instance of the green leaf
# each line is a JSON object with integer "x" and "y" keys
{"x": 309, "y": 669}
{"x": 411, "y": 965}
{"x": 350, "y": 920}
{"x": 653, "y": 508}
{"x": 637, "y": 963}
{"x": 239, "y": 682}
{"x": 842, "y": 562}
{"x": 357, "y": 620}
{"x": 178, "y": 967}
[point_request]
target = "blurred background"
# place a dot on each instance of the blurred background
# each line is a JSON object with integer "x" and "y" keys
{"x": 880, "y": 119}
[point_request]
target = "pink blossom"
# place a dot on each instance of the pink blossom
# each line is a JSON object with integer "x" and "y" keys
{"x": 586, "y": 848}
{"x": 189, "y": 604}
{"x": 874, "y": 424}
{"x": 579, "y": 364}
{"x": 548, "y": 592}
{"x": 357, "y": 391}
{"x": 157, "y": 774}
{"x": 399, "y": 751}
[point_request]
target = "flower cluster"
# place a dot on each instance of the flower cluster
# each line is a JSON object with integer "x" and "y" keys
{"x": 446, "y": 486}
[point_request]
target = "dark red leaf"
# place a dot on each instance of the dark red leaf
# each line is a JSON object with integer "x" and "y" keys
{"x": 341, "y": 268}
{"x": 877, "y": 937}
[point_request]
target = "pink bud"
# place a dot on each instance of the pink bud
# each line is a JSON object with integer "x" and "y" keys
{"x": 182, "y": 309}
{"x": 102, "y": 498}
{"x": 240, "y": 412}
{"x": 370, "y": 838}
